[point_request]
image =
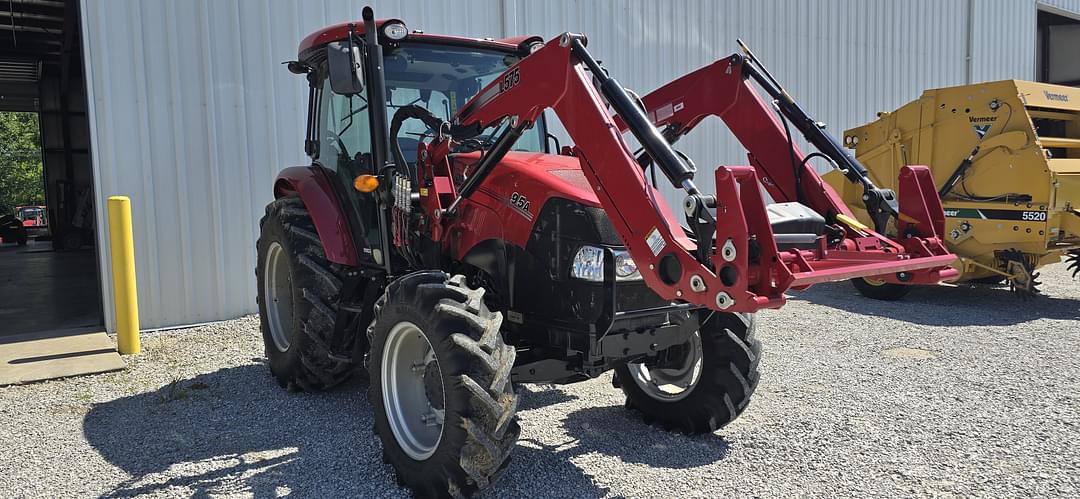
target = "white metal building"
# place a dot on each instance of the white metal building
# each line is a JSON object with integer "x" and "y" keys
{"x": 192, "y": 114}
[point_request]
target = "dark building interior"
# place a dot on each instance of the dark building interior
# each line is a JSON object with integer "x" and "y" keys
{"x": 51, "y": 283}
{"x": 1058, "y": 49}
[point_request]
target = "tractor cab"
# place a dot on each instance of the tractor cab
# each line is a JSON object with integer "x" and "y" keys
{"x": 439, "y": 74}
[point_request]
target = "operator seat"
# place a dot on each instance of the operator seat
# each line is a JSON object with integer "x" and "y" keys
{"x": 795, "y": 225}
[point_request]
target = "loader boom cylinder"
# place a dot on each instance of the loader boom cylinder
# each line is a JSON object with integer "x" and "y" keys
{"x": 483, "y": 168}
{"x": 880, "y": 203}
{"x": 810, "y": 128}
{"x": 677, "y": 171}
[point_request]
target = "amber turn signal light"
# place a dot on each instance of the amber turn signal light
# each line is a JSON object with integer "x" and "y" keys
{"x": 366, "y": 183}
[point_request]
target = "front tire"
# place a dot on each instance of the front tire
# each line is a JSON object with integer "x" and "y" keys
{"x": 710, "y": 389}
{"x": 297, "y": 292}
{"x": 880, "y": 290}
{"x": 440, "y": 385}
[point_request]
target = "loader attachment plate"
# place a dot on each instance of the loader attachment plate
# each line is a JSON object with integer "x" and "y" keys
{"x": 839, "y": 266}
{"x": 746, "y": 240}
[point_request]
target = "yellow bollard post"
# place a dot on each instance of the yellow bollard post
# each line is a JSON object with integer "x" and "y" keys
{"x": 123, "y": 272}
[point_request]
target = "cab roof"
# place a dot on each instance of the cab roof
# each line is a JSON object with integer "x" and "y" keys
{"x": 340, "y": 31}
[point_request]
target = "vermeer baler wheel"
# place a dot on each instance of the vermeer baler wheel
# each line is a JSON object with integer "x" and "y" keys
{"x": 879, "y": 289}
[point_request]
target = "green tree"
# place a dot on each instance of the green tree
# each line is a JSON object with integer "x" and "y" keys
{"x": 21, "y": 181}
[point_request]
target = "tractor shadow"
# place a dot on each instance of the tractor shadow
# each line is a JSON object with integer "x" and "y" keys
{"x": 961, "y": 305}
{"x": 617, "y": 432}
{"x": 234, "y": 431}
{"x": 611, "y": 431}
{"x": 532, "y": 396}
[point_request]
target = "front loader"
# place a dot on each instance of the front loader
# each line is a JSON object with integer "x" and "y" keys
{"x": 1005, "y": 160}
{"x": 438, "y": 242}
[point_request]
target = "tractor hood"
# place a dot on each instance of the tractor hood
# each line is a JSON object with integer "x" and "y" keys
{"x": 519, "y": 194}
{"x": 535, "y": 176}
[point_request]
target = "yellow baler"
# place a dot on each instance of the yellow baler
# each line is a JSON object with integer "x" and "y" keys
{"x": 1005, "y": 157}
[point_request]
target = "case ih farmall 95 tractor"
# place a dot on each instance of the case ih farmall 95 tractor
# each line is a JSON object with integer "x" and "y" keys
{"x": 438, "y": 242}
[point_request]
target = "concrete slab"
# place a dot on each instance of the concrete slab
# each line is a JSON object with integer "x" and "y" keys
{"x": 43, "y": 290}
{"x": 27, "y": 358}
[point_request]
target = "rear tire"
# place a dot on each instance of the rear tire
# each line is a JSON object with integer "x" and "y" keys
{"x": 880, "y": 290}
{"x": 729, "y": 356}
{"x": 464, "y": 373}
{"x": 297, "y": 295}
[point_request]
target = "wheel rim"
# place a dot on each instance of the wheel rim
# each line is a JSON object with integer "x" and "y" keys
{"x": 277, "y": 288}
{"x": 874, "y": 282}
{"x": 411, "y": 378}
{"x": 671, "y": 383}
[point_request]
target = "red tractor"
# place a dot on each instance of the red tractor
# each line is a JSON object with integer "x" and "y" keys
{"x": 440, "y": 243}
{"x": 34, "y": 218}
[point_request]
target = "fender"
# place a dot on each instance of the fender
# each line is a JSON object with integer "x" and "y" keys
{"x": 313, "y": 187}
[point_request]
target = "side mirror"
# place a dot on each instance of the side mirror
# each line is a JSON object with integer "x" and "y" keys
{"x": 346, "y": 74}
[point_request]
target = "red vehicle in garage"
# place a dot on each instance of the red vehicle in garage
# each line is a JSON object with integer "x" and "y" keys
{"x": 34, "y": 218}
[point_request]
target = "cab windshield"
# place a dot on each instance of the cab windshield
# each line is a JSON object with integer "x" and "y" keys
{"x": 442, "y": 78}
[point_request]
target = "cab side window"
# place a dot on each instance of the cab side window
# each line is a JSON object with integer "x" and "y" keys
{"x": 345, "y": 147}
{"x": 344, "y": 137}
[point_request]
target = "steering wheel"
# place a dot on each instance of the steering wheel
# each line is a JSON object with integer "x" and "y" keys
{"x": 338, "y": 143}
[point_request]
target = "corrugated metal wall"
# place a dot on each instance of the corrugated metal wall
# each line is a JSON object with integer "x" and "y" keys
{"x": 1003, "y": 41}
{"x": 192, "y": 113}
{"x": 1069, "y": 8}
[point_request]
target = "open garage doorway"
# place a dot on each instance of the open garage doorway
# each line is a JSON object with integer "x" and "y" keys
{"x": 49, "y": 275}
{"x": 1056, "y": 48}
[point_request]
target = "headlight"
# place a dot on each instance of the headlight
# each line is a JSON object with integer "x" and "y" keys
{"x": 589, "y": 265}
{"x": 395, "y": 30}
{"x": 625, "y": 268}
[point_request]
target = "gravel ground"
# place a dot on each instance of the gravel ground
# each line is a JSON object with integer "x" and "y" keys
{"x": 949, "y": 392}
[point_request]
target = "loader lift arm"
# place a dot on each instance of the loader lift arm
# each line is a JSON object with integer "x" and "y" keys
{"x": 742, "y": 272}
{"x": 723, "y": 89}
{"x": 880, "y": 203}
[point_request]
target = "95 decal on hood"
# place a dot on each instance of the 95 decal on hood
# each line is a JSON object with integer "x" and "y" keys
{"x": 520, "y": 204}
